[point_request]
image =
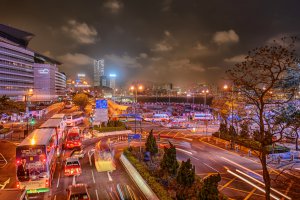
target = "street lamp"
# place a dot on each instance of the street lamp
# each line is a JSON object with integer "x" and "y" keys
{"x": 134, "y": 89}
{"x": 205, "y": 92}
{"x": 28, "y": 94}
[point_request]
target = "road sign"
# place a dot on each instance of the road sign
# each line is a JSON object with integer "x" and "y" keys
{"x": 134, "y": 136}
{"x": 101, "y": 104}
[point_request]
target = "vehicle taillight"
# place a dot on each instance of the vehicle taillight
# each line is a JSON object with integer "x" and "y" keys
{"x": 18, "y": 162}
{"x": 18, "y": 184}
{"x": 47, "y": 183}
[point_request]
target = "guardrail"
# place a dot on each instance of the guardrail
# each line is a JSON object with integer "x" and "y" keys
{"x": 138, "y": 179}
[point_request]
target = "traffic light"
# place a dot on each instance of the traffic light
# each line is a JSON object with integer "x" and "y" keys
{"x": 32, "y": 122}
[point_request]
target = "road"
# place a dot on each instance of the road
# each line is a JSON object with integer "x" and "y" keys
{"x": 211, "y": 159}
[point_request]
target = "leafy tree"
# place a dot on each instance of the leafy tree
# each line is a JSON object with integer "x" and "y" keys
{"x": 151, "y": 145}
{"x": 81, "y": 100}
{"x": 169, "y": 163}
{"x": 209, "y": 190}
{"x": 244, "y": 133}
{"x": 266, "y": 80}
{"x": 186, "y": 174}
{"x": 9, "y": 106}
{"x": 223, "y": 129}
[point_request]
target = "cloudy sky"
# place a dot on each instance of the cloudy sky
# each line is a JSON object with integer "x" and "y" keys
{"x": 179, "y": 41}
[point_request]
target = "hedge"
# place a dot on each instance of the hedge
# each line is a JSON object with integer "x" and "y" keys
{"x": 252, "y": 144}
{"x": 110, "y": 129}
{"x": 157, "y": 188}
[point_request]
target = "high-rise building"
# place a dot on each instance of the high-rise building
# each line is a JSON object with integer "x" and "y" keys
{"x": 16, "y": 62}
{"x": 103, "y": 81}
{"x": 80, "y": 78}
{"x": 98, "y": 71}
{"x": 112, "y": 81}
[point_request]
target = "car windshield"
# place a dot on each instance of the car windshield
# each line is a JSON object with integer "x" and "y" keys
{"x": 72, "y": 137}
{"x": 83, "y": 196}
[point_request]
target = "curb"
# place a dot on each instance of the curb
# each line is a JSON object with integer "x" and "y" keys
{"x": 138, "y": 179}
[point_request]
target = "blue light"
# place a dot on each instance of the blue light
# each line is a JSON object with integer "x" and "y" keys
{"x": 112, "y": 75}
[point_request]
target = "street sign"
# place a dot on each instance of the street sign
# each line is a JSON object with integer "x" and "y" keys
{"x": 134, "y": 136}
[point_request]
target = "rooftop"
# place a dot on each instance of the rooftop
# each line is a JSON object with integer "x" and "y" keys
{"x": 38, "y": 136}
{"x": 51, "y": 123}
{"x": 15, "y": 35}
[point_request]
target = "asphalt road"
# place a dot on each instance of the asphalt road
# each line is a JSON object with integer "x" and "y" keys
{"x": 236, "y": 170}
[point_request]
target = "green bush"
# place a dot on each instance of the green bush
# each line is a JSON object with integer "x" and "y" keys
{"x": 157, "y": 188}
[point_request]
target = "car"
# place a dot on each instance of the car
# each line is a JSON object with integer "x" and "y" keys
{"x": 72, "y": 167}
{"x": 77, "y": 154}
{"x": 78, "y": 192}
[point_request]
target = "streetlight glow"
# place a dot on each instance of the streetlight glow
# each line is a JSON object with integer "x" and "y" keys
{"x": 225, "y": 87}
{"x": 140, "y": 87}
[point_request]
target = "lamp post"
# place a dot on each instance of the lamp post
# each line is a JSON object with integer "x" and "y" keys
{"x": 134, "y": 89}
{"x": 231, "y": 109}
{"x": 27, "y": 95}
{"x": 205, "y": 92}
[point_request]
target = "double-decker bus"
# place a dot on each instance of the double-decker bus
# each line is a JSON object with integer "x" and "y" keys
{"x": 60, "y": 127}
{"x": 74, "y": 118}
{"x": 36, "y": 160}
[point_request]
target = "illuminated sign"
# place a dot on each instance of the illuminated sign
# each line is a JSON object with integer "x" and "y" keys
{"x": 113, "y": 75}
{"x": 81, "y": 75}
{"x": 101, "y": 104}
{"x": 43, "y": 71}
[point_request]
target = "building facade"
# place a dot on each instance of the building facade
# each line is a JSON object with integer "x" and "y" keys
{"x": 16, "y": 63}
{"x": 98, "y": 71}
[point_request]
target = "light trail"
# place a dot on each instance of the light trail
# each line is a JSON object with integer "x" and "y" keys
{"x": 278, "y": 192}
{"x": 252, "y": 184}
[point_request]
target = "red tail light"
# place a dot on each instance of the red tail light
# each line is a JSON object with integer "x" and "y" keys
{"x": 47, "y": 183}
{"x": 18, "y": 184}
{"x": 18, "y": 162}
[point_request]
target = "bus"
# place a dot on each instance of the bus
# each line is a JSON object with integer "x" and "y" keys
{"x": 203, "y": 116}
{"x": 74, "y": 118}
{"x": 36, "y": 160}
{"x": 59, "y": 116}
{"x": 104, "y": 156}
{"x": 160, "y": 117}
{"x": 60, "y": 127}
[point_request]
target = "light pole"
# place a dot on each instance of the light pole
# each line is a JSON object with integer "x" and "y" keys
{"x": 205, "y": 92}
{"x": 134, "y": 89}
{"x": 27, "y": 95}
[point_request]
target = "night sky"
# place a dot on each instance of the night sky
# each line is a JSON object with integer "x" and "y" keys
{"x": 180, "y": 41}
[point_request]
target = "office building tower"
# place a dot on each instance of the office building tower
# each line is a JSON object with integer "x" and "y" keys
{"x": 112, "y": 81}
{"x": 98, "y": 71}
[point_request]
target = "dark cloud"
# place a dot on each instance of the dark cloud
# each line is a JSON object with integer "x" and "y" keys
{"x": 164, "y": 40}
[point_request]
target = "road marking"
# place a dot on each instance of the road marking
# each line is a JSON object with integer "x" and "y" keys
{"x": 58, "y": 180}
{"x": 263, "y": 184}
{"x": 250, "y": 194}
{"x": 109, "y": 177}
{"x": 188, "y": 152}
{"x": 97, "y": 194}
{"x": 210, "y": 167}
{"x": 252, "y": 184}
{"x": 289, "y": 187}
{"x": 228, "y": 183}
{"x": 54, "y": 197}
{"x": 93, "y": 176}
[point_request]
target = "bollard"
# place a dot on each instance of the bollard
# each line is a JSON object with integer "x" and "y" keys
{"x": 237, "y": 148}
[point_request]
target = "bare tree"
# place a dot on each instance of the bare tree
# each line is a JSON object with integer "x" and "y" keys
{"x": 266, "y": 81}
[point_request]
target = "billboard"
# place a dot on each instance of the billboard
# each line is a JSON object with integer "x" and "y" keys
{"x": 101, "y": 104}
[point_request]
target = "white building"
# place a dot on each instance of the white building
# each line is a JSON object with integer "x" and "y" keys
{"x": 98, "y": 71}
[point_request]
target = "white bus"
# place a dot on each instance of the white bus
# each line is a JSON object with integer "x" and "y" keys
{"x": 59, "y": 116}
{"x": 159, "y": 118}
{"x": 203, "y": 116}
{"x": 60, "y": 127}
{"x": 74, "y": 118}
{"x": 36, "y": 160}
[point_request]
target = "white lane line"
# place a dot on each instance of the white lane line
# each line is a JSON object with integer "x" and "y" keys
{"x": 58, "y": 180}
{"x": 188, "y": 152}
{"x": 210, "y": 167}
{"x": 252, "y": 184}
{"x": 97, "y": 194}
{"x": 109, "y": 176}
{"x": 287, "y": 197}
{"x": 93, "y": 176}
{"x": 74, "y": 181}
{"x": 54, "y": 197}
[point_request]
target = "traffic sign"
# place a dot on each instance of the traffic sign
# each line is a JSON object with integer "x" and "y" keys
{"x": 101, "y": 104}
{"x": 134, "y": 136}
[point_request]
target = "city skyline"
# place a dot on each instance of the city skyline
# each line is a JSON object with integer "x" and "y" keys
{"x": 173, "y": 41}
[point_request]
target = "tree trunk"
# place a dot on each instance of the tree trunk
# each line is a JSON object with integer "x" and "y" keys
{"x": 297, "y": 137}
{"x": 266, "y": 174}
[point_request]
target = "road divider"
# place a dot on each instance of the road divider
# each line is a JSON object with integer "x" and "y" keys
{"x": 137, "y": 178}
